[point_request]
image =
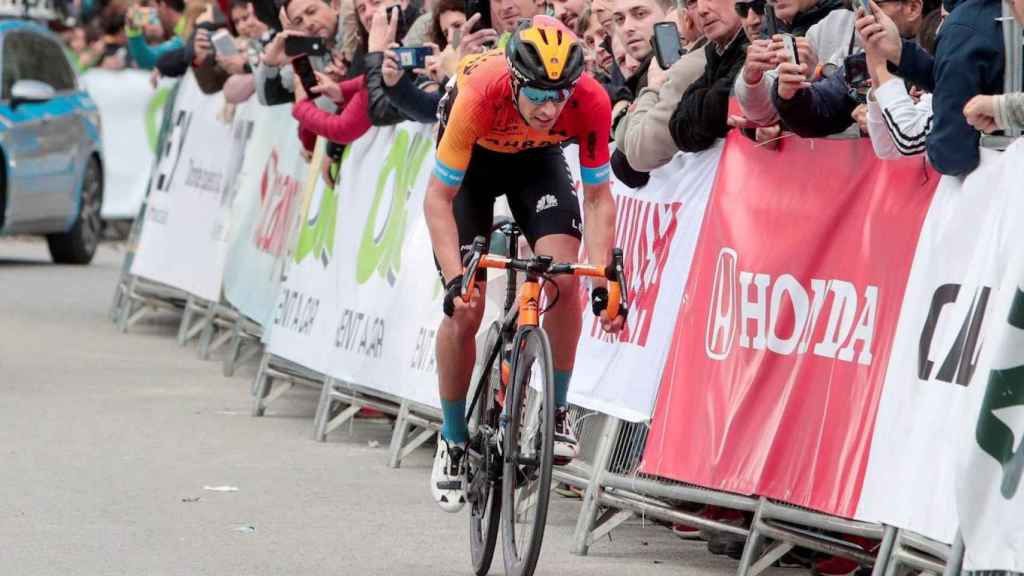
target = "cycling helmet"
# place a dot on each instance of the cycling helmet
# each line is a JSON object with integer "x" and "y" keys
{"x": 543, "y": 53}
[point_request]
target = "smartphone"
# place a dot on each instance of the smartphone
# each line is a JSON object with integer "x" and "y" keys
{"x": 771, "y": 23}
{"x": 223, "y": 43}
{"x": 864, "y": 5}
{"x": 413, "y": 58}
{"x": 483, "y": 8}
{"x": 394, "y": 12}
{"x": 789, "y": 44}
{"x": 855, "y": 70}
{"x": 456, "y": 36}
{"x": 667, "y": 48}
{"x": 304, "y": 70}
{"x": 304, "y": 46}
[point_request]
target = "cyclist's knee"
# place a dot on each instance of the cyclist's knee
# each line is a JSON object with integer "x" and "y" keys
{"x": 465, "y": 323}
{"x": 568, "y": 291}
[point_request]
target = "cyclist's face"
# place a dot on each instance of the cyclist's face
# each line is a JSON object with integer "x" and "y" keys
{"x": 540, "y": 117}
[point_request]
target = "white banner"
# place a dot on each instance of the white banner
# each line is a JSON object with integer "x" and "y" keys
{"x": 264, "y": 212}
{"x": 990, "y": 498}
{"x": 182, "y": 243}
{"x": 960, "y": 262}
{"x": 657, "y": 228}
{"x": 131, "y": 110}
{"x": 302, "y": 320}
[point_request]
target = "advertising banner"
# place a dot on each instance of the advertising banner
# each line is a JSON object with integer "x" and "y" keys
{"x": 302, "y": 319}
{"x": 657, "y": 228}
{"x": 965, "y": 243}
{"x": 182, "y": 243}
{"x": 776, "y": 367}
{"x": 265, "y": 211}
{"x": 990, "y": 497}
{"x": 131, "y": 110}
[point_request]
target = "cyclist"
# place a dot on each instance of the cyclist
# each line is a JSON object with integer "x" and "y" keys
{"x": 501, "y": 127}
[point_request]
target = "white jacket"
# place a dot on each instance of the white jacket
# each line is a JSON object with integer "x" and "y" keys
{"x": 897, "y": 126}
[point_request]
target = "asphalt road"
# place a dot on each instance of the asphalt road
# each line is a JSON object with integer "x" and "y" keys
{"x": 107, "y": 441}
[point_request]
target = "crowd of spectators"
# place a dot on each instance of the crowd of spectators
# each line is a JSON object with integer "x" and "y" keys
{"x": 914, "y": 76}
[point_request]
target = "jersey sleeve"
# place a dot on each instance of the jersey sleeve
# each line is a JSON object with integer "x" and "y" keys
{"x": 594, "y": 125}
{"x": 470, "y": 118}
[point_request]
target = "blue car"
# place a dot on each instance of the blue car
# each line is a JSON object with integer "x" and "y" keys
{"x": 51, "y": 163}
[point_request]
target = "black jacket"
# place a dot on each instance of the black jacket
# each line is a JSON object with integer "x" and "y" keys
{"x": 702, "y": 114}
{"x": 409, "y": 98}
{"x": 824, "y": 109}
{"x": 382, "y": 111}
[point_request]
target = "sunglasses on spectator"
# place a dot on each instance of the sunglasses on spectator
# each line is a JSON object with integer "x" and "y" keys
{"x": 744, "y": 8}
{"x": 538, "y": 96}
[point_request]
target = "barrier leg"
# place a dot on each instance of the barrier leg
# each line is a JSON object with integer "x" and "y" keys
{"x": 208, "y": 332}
{"x": 323, "y": 411}
{"x": 186, "y": 321}
{"x": 261, "y": 387}
{"x": 586, "y": 522}
{"x": 956, "y": 557}
{"x": 398, "y": 435}
{"x": 234, "y": 347}
{"x": 755, "y": 541}
{"x": 885, "y": 563}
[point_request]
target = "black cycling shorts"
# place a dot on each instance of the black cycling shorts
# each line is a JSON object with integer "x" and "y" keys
{"x": 538, "y": 187}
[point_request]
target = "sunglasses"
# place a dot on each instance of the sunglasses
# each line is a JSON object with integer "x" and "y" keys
{"x": 538, "y": 96}
{"x": 744, "y": 8}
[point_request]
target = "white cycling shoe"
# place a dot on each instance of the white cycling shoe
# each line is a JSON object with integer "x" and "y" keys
{"x": 448, "y": 478}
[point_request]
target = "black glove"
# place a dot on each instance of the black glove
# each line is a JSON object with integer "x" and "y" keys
{"x": 599, "y": 302}
{"x": 452, "y": 290}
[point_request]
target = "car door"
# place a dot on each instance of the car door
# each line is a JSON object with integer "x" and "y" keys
{"x": 40, "y": 166}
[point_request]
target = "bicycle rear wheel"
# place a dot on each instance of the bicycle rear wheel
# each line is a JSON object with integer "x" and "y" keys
{"x": 483, "y": 469}
{"x": 528, "y": 451}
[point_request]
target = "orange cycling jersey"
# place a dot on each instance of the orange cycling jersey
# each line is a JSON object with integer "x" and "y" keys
{"x": 479, "y": 110}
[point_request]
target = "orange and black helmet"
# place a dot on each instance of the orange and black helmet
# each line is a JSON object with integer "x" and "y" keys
{"x": 544, "y": 53}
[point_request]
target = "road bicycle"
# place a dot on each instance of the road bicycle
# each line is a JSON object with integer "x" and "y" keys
{"x": 510, "y": 452}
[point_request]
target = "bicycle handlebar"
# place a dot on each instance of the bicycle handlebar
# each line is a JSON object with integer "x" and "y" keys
{"x": 544, "y": 266}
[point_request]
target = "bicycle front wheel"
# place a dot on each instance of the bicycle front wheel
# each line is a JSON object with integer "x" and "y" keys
{"x": 528, "y": 451}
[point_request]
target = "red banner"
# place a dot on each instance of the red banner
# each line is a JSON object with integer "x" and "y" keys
{"x": 779, "y": 354}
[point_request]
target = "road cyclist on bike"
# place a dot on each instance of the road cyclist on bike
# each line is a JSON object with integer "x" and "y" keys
{"x": 501, "y": 130}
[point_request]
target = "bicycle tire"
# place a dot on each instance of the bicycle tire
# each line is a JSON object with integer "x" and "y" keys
{"x": 527, "y": 467}
{"x": 485, "y": 499}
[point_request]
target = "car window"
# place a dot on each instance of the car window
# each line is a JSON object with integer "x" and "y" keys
{"x": 29, "y": 56}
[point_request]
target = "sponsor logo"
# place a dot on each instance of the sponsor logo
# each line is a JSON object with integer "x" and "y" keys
{"x": 999, "y": 431}
{"x": 278, "y": 191}
{"x": 380, "y": 250}
{"x": 547, "y": 201}
{"x": 296, "y": 312}
{"x": 832, "y": 319}
{"x": 171, "y": 149}
{"x": 645, "y": 230}
{"x": 316, "y": 237}
{"x": 961, "y": 356}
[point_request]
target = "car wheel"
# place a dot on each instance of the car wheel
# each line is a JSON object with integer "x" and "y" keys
{"x": 78, "y": 245}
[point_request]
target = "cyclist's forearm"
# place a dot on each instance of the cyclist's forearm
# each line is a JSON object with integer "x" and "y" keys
{"x": 444, "y": 234}
{"x": 598, "y": 222}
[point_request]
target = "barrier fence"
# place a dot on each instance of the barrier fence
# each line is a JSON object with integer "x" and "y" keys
{"x": 813, "y": 332}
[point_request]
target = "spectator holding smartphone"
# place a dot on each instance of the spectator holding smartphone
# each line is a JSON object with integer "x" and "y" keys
{"x": 170, "y": 15}
{"x": 969, "y": 60}
{"x": 825, "y": 105}
{"x": 701, "y": 117}
{"x": 642, "y": 137}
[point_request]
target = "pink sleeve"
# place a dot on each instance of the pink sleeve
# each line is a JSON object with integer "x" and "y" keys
{"x": 351, "y": 122}
{"x": 349, "y": 88}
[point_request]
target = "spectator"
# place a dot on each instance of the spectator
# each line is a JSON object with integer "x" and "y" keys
{"x": 352, "y": 101}
{"x": 1003, "y": 111}
{"x": 209, "y": 73}
{"x": 821, "y": 28}
{"x": 273, "y": 76}
{"x": 899, "y": 120}
{"x": 385, "y": 27}
{"x": 419, "y": 98}
{"x": 702, "y": 114}
{"x": 598, "y": 45}
{"x": 570, "y": 12}
{"x": 242, "y": 85}
{"x": 170, "y": 15}
{"x": 115, "y": 55}
{"x": 969, "y": 60}
{"x": 505, "y": 15}
{"x": 642, "y": 137}
{"x": 634, "y": 25}
{"x": 827, "y": 106}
